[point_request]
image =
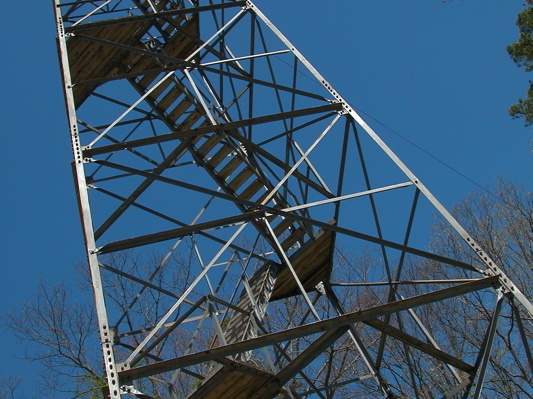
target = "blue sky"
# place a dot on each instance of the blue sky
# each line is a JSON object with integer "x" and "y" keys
{"x": 436, "y": 74}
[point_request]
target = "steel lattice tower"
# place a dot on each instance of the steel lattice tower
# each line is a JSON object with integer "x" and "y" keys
{"x": 248, "y": 234}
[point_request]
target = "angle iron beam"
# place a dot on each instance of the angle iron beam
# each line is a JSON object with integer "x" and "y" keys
{"x": 272, "y": 387}
{"x": 105, "y": 335}
{"x": 294, "y": 216}
{"x": 349, "y": 196}
{"x": 418, "y": 344}
{"x": 523, "y": 335}
{"x": 377, "y": 283}
{"x": 220, "y": 127}
{"x": 308, "y": 329}
{"x": 177, "y": 233}
{"x": 159, "y": 15}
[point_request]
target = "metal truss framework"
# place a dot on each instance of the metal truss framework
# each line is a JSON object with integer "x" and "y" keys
{"x": 206, "y": 141}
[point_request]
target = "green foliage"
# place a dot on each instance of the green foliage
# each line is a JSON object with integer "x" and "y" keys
{"x": 522, "y": 54}
{"x": 524, "y": 107}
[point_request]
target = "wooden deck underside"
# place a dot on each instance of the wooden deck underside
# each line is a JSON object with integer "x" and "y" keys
{"x": 232, "y": 381}
{"x": 312, "y": 263}
{"x": 91, "y": 62}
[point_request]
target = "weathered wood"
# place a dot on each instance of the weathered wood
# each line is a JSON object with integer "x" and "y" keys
{"x": 252, "y": 189}
{"x": 179, "y": 110}
{"x": 240, "y": 179}
{"x": 219, "y": 156}
{"x": 312, "y": 263}
{"x": 230, "y": 167}
{"x": 233, "y": 380}
{"x": 209, "y": 144}
{"x": 91, "y": 60}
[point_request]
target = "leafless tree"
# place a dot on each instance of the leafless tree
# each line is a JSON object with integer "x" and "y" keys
{"x": 9, "y": 385}
{"x": 58, "y": 325}
{"x": 59, "y": 328}
{"x": 56, "y": 328}
{"x": 502, "y": 223}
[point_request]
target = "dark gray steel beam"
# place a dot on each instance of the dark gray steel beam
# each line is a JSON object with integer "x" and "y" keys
{"x": 89, "y": 152}
{"x": 176, "y": 233}
{"x": 147, "y": 17}
{"x": 308, "y": 329}
{"x": 294, "y": 216}
{"x": 273, "y": 386}
{"x": 418, "y": 344}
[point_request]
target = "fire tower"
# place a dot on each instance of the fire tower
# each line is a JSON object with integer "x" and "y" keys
{"x": 248, "y": 234}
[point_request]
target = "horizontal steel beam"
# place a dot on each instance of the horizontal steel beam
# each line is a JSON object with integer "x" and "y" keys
{"x": 420, "y": 345}
{"x": 294, "y": 216}
{"x": 147, "y": 17}
{"x": 127, "y": 376}
{"x": 222, "y": 127}
{"x": 176, "y": 233}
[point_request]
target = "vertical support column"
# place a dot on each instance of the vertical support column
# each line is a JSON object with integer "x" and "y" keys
{"x": 106, "y": 335}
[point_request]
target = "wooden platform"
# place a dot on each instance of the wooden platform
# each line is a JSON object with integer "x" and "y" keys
{"x": 312, "y": 263}
{"x": 95, "y": 56}
{"x": 232, "y": 381}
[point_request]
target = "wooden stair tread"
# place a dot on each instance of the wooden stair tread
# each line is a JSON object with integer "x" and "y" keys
{"x": 295, "y": 236}
{"x": 240, "y": 179}
{"x": 230, "y": 167}
{"x": 261, "y": 284}
{"x": 252, "y": 189}
{"x": 209, "y": 144}
{"x": 219, "y": 156}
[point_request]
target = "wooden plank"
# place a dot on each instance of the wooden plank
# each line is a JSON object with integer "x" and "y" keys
{"x": 210, "y": 383}
{"x": 88, "y": 64}
{"x": 169, "y": 98}
{"x": 230, "y": 167}
{"x": 246, "y": 387}
{"x": 154, "y": 95}
{"x": 91, "y": 60}
{"x": 282, "y": 226}
{"x": 209, "y": 144}
{"x": 252, "y": 189}
{"x": 189, "y": 122}
{"x": 294, "y": 237}
{"x": 180, "y": 109}
{"x": 234, "y": 380}
{"x": 99, "y": 60}
{"x": 222, "y": 154}
{"x": 312, "y": 263}
{"x": 240, "y": 179}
